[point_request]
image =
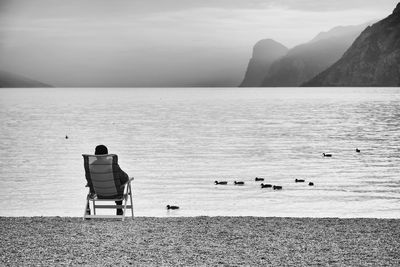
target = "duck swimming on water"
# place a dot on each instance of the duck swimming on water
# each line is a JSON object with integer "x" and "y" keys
{"x": 172, "y": 207}
{"x": 326, "y": 155}
{"x": 266, "y": 185}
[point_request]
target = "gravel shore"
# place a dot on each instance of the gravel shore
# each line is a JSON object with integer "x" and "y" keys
{"x": 206, "y": 241}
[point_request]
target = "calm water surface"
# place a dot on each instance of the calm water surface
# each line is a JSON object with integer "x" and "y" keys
{"x": 176, "y": 142}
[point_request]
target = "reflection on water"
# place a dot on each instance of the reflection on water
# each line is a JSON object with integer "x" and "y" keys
{"x": 177, "y": 142}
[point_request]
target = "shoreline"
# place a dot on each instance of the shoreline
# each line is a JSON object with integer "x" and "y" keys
{"x": 128, "y": 218}
{"x": 188, "y": 241}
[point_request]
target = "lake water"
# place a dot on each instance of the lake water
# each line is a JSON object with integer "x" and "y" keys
{"x": 177, "y": 141}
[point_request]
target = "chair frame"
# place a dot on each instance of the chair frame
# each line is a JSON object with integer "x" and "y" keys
{"x": 127, "y": 196}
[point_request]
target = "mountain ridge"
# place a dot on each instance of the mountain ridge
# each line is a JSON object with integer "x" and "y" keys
{"x": 306, "y": 60}
{"x": 372, "y": 60}
{"x": 11, "y": 80}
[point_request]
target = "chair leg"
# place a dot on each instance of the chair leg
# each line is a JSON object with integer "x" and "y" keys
{"x": 130, "y": 196}
{"x": 87, "y": 208}
{"x": 124, "y": 212}
{"x": 125, "y": 205}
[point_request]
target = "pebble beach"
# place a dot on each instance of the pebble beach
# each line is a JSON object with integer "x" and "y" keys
{"x": 199, "y": 241}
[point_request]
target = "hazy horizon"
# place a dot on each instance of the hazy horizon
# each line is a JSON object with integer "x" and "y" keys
{"x": 159, "y": 43}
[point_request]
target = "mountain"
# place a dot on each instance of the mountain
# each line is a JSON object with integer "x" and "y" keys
{"x": 265, "y": 52}
{"x": 9, "y": 80}
{"x": 372, "y": 60}
{"x": 305, "y": 61}
{"x": 340, "y": 31}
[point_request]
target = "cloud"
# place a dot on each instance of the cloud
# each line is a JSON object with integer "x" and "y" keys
{"x": 107, "y": 8}
{"x": 151, "y": 23}
{"x": 333, "y": 5}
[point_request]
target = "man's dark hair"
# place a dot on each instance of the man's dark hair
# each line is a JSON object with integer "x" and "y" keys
{"x": 101, "y": 150}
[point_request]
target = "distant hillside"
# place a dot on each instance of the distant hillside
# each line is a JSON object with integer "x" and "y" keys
{"x": 265, "y": 52}
{"x": 372, "y": 60}
{"x": 341, "y": 31}
{"x": 9, "y": 80}
{"x": 305, "y": 61}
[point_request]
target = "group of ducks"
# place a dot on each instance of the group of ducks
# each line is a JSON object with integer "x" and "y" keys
{"x": 260, "y": 179}
{"x": 275, "y": 187}
{"x": 262, "y": 185}
{"x": 330, "y": 155}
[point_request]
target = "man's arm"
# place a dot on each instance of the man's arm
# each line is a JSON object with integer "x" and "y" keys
{"x": 123, "y": 176}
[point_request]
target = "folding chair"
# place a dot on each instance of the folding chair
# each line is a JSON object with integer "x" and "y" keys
{"x": 104, "y": 185}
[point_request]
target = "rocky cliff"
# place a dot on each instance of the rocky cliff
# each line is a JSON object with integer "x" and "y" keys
{"x": 264, "y": 53}
{"x": 372, "y": 60}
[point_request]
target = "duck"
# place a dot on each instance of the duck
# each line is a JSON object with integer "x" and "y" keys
{"x": 326, "y": 155}
{"x": 266, "y": 185}
{"x": 239, "y": 183}
{"x": 222, "y": 182}
{"x": 258, "y": 179}
{"x": 277, "y": 187}
{"x": 358, "y": 150}
{"x": 299, "y": 181}
{"x": 172, "y": 207}
{"x": 66, "y": 137}
{"x": 310, "y": 183}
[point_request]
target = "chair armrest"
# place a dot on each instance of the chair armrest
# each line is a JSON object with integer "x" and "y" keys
{"x": 127, "y": 182}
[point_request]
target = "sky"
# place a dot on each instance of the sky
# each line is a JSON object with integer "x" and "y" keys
{"x": 159, "y": 42}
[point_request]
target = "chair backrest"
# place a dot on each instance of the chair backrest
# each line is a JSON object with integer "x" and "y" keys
{"x": 102, "y": 175}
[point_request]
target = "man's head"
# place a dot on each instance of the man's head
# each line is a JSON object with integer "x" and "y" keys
{"x": 101, "y": 150}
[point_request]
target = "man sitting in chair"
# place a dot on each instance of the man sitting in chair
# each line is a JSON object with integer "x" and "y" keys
{"x": 121, "y": 175}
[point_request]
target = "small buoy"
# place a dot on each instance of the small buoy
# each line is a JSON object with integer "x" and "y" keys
{"x": 222, "y": 182}
{"x": 299, "y": 181}
{"x": 172, "y": 207}
{"x": 326, "y": 155}
{"x": 239, "y": 183}
{"x": 358, "y": 150}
